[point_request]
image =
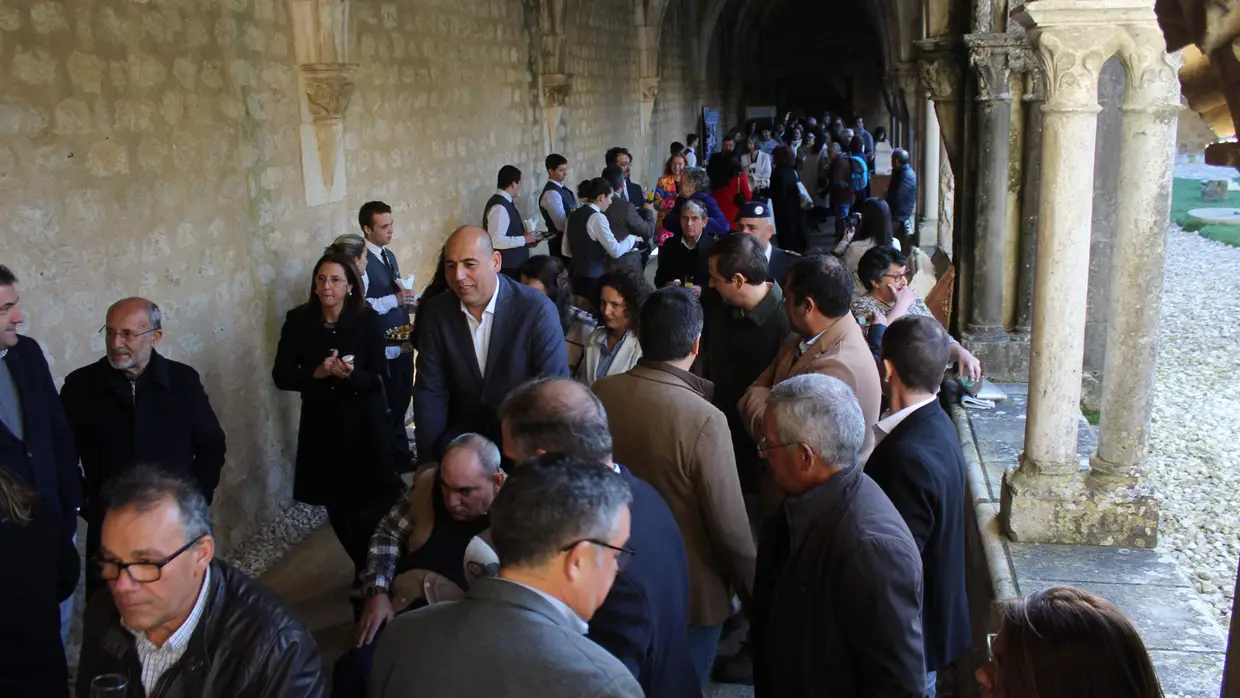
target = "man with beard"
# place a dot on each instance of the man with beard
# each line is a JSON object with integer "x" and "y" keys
{"x": 134, "y": 406}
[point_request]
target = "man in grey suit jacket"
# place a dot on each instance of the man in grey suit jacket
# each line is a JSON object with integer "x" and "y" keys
{"x": 560, "y": 528}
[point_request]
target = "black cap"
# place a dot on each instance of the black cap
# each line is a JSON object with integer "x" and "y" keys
{"x": 754, "y": 209}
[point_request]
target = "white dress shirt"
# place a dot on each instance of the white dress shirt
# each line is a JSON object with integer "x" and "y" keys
{"x": 155, "y": 661}
{"x": 888, "y": 424}
{"x": 384, "y": 304}
{"x": 599, "y": 231}
{"x": 497, "y": 226}
{"x": 807, "y": 344}
{"x": 553, "y": 203}
{"x": 480, "y": 330}
{"x": 690, "y": 158}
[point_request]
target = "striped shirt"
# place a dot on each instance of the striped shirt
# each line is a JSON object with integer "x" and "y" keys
{"x": 156, "y": 661}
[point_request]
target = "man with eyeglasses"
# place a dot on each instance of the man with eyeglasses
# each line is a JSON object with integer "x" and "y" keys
{"x": 644, "y": 620}
{"x": 889, "y": 297}
{"x": 561, "y": 530}
{"x": 178, "y": 622}
{"x": 135, "y": 406}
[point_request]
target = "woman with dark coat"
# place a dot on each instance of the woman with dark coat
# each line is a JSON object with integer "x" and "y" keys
{"x": 786, "y": 201}
{"x": 695, "y": 184}
{"x": 40, "y": 570}
{"x": 331, "y": 351}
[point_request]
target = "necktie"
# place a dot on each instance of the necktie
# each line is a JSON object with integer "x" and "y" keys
{"x": 389, "y": 261}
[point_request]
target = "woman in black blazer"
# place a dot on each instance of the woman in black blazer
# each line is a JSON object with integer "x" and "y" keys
{"x": 331, "y": 351}
{"x": 40, "y": 570}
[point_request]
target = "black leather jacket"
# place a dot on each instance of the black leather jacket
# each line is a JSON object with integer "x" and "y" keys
{"x": 247, "y": 645}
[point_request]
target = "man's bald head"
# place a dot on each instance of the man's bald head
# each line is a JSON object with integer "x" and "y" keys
{"x": 555, "y": 415}
{"x": 471, "y": 266}
{"x": 132, "y": 330}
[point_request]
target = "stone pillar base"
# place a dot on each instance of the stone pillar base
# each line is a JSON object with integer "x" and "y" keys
{"x": 1078, "y": 509}
{"x": 1004, "y": 355}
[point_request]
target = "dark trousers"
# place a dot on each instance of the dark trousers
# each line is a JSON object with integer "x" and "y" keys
{"x": 351, "y": 673}
{"x": 556, "y": 246}
{"x": 587, "y": 288}
{"x": 399, "y": 387}
{"x": 354, "y": 523}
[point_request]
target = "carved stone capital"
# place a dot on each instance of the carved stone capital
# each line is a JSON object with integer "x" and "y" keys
{"x": 556, "y": 87}
{"x": 995, "y": 58}
{"x": 329, "y": 89}
{"x": 1035, "y": 86}
{"x": 941, "y": 68}
{"x": 650, "y": 89}
{"x": 1153, "y": 74}
{"x": 1073, "y": 57}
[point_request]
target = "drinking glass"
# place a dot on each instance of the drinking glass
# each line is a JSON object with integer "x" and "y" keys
{"x": 109, "y": 686}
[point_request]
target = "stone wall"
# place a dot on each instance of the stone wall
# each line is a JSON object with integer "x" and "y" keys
{"x": 152, "y": 147}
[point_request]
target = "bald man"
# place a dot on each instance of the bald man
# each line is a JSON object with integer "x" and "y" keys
{"x": 476, "y": 344}
{"x": 134, "y": 406}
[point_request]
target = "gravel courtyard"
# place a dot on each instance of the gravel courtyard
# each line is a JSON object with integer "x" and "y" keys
{"x": 1194, "y": 461}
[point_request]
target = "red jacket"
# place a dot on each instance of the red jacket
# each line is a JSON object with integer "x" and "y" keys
{"x": 726, "y": 198}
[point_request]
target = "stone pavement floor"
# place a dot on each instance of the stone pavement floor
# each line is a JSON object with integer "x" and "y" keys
{"x": 1185, "y": 643}
{"x": 314, "y": 578}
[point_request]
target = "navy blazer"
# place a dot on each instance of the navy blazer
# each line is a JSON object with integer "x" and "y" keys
{"x": 781, "y": 262}
{"x": 921, "y": 469}
{"x": 46, "y": 458}
{"x": 451, "y": 396}
{"x": 644, "y": 621}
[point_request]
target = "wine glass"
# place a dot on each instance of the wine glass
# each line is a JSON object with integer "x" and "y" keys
{"x": 109, "y": 686}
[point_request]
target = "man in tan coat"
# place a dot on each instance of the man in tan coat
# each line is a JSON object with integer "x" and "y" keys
{"x": 665, "y": 429}
{"x": 825, "y": 339}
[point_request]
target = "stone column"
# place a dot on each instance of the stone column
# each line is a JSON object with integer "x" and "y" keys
{"x": 928, "y": 216}
{"x": 1150, "y": 111}
{"x": 1031, "y": 185}
{"x": 988, "y": 53}
{"x": 1047, "y": 499}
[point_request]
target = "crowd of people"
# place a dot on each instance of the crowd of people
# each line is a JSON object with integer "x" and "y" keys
{"x": 610, "y": 474}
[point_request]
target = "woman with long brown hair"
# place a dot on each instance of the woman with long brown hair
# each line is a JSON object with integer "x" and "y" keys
{"x": 39, "y": 569}
{"x": 1066, "y": 643}
{"x": 331, "y": 352}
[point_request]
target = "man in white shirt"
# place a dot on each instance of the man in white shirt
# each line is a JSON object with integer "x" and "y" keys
{"x": 477, "y": 343}
{"x": 172, "y": 609}
{"x": 691, "y": 158}
{"x": 391, "y": 300}
{"x": 556, "y": 203}
{"x": 502, "y": 221}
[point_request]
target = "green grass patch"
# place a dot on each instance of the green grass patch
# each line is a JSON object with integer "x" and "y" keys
{"x": 1091, "y": 416}
{"x": 1186, "y": 196}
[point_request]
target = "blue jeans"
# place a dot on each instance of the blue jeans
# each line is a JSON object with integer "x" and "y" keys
{"x": 931, "y": 679}
{"x": 703, "y": 642}
{"x": 841, "y": 212}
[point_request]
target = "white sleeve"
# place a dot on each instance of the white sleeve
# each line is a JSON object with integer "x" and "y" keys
{"x": 600, "y": 232}
{"x": 553, "y": 204}
{"x": 764, "y": 169}
{"x": 690, "y": 159}
{"x": 497, "y": 226}
{"x": 383, "y": 305}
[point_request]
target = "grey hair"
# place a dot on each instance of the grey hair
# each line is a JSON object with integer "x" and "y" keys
{"x": 694, "y": 206}
{"x": 821, "y": 412}
{"x": 484, "y": 448}
{"x": 145, "y": 487}
{"x": 353, "y": 246}
{"x": 697, "y": 177}
{"x": 552, "y": 502}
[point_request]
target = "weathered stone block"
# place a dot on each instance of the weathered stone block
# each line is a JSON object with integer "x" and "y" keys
{"x": 1078, "y": 510}
{"x": 1004, "y": 355}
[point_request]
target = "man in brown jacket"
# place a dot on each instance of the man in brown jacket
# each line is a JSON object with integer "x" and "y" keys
{"x": 665, "y": 429}
{"x": 825, "y": 339}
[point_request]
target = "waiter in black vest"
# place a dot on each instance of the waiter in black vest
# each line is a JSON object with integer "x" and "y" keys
{"x": 556, "y": 202}
{"x": 502, "y": 221}
{"x": 389, "y": 299}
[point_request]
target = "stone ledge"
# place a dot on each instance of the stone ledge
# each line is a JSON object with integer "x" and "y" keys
{"x": 1004, "y": 355}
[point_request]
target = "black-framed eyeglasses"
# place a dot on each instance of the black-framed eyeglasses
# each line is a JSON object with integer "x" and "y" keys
{"x": 141, "y": 572}
{"x": 622, "y": 560}
{"x": 990, "y": 651}
{"x": 109, "y": 333}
